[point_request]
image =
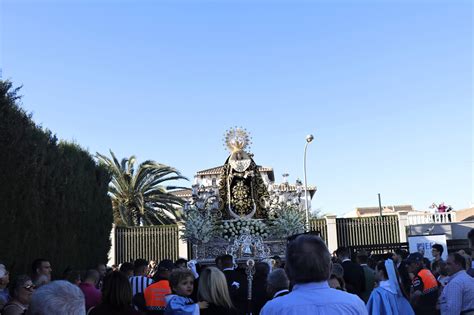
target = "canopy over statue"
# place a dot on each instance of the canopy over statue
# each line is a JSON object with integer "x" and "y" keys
{"x": 242, "y": 190}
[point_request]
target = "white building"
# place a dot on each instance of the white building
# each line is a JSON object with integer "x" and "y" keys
{"x": 210, "y": 178}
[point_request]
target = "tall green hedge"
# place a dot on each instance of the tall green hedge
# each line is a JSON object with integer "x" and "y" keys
{"x": 53, "y": 196}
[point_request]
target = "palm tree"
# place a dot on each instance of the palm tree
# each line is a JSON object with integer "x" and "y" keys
{"x": 138, "y": 196}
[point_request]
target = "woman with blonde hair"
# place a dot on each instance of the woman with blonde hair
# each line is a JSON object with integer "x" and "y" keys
{"x": 213, "y": 289}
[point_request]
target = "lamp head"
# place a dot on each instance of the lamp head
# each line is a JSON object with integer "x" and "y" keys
{"x": 309, "y": 138}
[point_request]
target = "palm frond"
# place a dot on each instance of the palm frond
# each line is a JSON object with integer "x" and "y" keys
{"x": 139, "y": 194}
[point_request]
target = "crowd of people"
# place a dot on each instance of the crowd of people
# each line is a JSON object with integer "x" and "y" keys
{"x": 309, "y": 280}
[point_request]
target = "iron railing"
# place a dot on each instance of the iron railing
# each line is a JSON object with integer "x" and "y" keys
{"x": 151, "y": 243}
{"x": 367, "y": 230}
{"x": 423, "y": 218}
{"x": 319, "y": 225}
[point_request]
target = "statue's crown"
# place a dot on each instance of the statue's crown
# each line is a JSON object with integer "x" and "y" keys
{"x": 237, "y": 139}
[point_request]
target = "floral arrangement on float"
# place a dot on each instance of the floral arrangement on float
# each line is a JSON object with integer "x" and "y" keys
{"x": 286, "y": 220}
{"x": 199, "y": 226}
{"x": 231, "y": 229}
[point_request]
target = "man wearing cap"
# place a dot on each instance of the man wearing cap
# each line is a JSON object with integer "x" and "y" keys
{"x": 424, "y": 288}
{"x": 369, "y": 274}
{"x": 155, "y": 293}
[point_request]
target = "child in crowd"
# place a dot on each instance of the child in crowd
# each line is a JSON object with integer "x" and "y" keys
{"x": 182, "y": 284}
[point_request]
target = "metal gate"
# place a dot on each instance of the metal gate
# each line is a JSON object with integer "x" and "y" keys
{"x": 367, "y": 230}
{"x": 151, "y": 243}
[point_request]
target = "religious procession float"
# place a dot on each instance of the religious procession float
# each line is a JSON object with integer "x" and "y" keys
{"x": 242, "y": 215}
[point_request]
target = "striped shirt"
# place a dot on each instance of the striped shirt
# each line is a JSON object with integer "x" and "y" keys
{"x": 458, "y": 294}
{"x": 139, "y": 284}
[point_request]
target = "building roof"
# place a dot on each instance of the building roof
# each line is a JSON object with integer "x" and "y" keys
{"x": 374, "y": 211}
{"x": 292, "y": 188}
{"x": 465, "y": 214}
{"x": 218, "y": 170}
{"x": 183, "y": 193}
{"x": 188, "y": 193}
{"x": 211, "y": 171}
{"x": 362, "y": 211}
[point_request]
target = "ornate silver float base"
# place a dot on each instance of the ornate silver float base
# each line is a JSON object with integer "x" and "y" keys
{"x": 207, "y": 253}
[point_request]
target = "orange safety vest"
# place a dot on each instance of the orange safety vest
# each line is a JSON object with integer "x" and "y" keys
{"x": 429, "y": 281}
{"x": 155, "y": 295}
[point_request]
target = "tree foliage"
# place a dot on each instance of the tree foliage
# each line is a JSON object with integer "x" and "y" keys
{"x": 139, "y": 196}
{"x": 288, "y": 220}
{"x": 53, "y": 196}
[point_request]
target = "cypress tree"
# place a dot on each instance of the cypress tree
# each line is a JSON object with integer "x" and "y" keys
{"x": 53, "y": 195}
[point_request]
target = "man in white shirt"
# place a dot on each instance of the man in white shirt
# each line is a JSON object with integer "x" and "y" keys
{"x": 308, "y": 263}
{"x": 458, "y": 294}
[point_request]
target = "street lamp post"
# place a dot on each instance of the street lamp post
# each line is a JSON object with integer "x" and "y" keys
{"x": 309, "y": 138}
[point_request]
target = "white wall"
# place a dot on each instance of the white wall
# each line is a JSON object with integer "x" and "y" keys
{"x": 453, "y": 231}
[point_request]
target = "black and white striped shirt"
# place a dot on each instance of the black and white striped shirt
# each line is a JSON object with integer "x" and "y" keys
{"x": 139, "y": 284}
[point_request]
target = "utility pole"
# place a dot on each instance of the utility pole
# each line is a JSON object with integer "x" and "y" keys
{"x": 309, "y": 138}
{"x": 380, "y": 205}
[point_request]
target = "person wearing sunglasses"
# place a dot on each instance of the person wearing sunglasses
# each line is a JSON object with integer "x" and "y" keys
{"x": 21, "y": 290}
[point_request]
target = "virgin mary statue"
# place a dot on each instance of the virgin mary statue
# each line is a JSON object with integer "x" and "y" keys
{"x": 242, "y": 190}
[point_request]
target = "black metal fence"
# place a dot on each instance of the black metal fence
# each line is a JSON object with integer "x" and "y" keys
{"x": 151, "y": 243}
{"x": 377, "y": 235}
{"x": 455, "y": 245}
{"x": 367, "y": 230}
{"x": 319, "y": 225}
{"x": 378, "y": 248}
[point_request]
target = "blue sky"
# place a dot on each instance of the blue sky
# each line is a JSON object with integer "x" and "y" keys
{"x": 385, "y": 86}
